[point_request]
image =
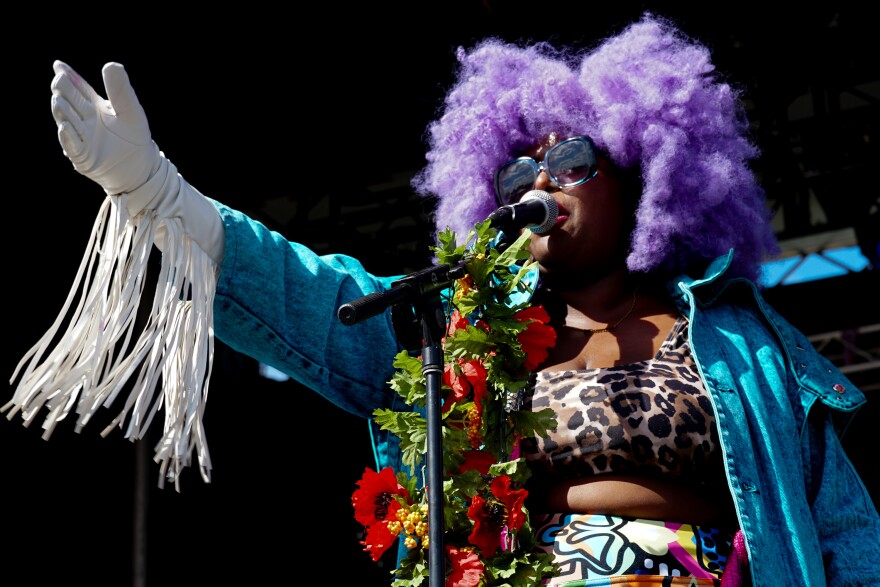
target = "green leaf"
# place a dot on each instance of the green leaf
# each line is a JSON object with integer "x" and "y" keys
{"x": 412, "y": 430}
{"x": 534, "y": 423}
{"x": 455, "y": 439}
{"x": 516, "y": 251}
{"x": 517, "y": 470}
{"x": 413, "y": 570}
{"x": 409, "y": 380}
{"x": 469, "y": 343}
{"x": 516, "y": 282}
{"x": 468, "y": 484}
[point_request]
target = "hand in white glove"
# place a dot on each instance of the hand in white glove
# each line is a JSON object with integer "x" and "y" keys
{"x": 109, "y": 141}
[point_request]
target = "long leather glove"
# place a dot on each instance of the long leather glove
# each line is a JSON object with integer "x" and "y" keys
{"x": 109, "y": 141}
{"x": 96, "y": 349}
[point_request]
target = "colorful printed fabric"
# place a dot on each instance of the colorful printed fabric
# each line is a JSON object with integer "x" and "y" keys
{"x": 592, "y": 550}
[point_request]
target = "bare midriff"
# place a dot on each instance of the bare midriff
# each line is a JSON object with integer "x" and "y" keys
{"x": 636, "y": 497}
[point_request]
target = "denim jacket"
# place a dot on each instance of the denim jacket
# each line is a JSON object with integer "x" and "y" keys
{"x": 780, "y": 406}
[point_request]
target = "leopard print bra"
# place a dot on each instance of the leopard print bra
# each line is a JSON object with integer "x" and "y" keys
{"x": 652, "y": 417}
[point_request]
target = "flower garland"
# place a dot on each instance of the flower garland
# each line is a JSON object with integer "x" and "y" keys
{"x": 490, "y": 347}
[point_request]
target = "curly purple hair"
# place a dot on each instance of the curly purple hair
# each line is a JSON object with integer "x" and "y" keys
{"x": 650, "y": 99}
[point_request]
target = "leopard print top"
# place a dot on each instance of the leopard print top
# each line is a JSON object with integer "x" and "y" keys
{"x": 652, "y": 417}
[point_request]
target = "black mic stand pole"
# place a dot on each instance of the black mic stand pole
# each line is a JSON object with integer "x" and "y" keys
{"x": 432, "y": 367}
{"x": 421, "y": 290}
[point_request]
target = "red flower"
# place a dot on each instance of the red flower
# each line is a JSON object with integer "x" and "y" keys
{"x": 513, "y": 499}
{"x": 477, "y": 459}
{"x": 538, "y": 337}
{"x": 375, "y": 505}
{"x": 378, "y": 539}
{"x": 466, "y": 569}
{"x": 495, "y": 516}
{"x": 375, "y": 494}
{"x": 476, "y": 375}
{"x": 456, "y": 322}
{"x": 470, "y": 375}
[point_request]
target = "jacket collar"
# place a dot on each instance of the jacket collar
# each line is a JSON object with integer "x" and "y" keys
{"x": 704, "y": 289}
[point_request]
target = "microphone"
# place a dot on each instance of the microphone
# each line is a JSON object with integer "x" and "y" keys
{"x": 537, "y": 210}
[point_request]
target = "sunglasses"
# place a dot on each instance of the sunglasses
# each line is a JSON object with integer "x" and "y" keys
{"x": 569, "y": 163}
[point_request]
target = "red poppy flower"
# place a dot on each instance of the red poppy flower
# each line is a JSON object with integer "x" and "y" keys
{"x": 470, "y": 376}
{"x": 378, "y": 538}
{"x": 456, "y": 322}
{"x": 477, "y": 459}
{"x": 513, "y": 499}
{"x": 487, "y": 529}
{"x": 375, "y": 495}
{"x": 466, "y": 569}
{"x": 375, "y": 505}
{"x": 492, "y": 517}
{"x": 538, "y": 337}
{"x": 476, "y": 374}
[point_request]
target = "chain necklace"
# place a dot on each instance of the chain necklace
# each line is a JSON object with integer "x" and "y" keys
{"x": 610, "y": 327}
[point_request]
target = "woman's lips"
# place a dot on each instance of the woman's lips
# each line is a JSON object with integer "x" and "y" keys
{"x": 563, "y": 214}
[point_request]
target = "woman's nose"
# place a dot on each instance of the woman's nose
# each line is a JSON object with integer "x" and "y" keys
{"x": 542, "y": 182}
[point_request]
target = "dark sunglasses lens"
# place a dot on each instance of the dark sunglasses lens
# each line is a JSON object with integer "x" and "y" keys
{"x": 572, "y": 162}
{"x": 514, "y": 180}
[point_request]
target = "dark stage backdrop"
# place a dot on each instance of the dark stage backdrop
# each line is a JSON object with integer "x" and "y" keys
{"x": 243, "y": 101}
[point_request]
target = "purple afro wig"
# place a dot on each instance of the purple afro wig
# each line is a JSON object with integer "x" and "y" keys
{"x": 652, "y": 102}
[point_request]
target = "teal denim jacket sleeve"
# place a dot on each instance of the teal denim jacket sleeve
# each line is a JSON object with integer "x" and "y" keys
{"x": 277, "y": 302}
{"x": 845, "y": 518}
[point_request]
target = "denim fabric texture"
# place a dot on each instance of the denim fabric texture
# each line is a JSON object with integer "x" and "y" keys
{"x": 781, "y": 406}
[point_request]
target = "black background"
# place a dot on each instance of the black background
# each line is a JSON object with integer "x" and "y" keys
{"x": 240, "y": 99}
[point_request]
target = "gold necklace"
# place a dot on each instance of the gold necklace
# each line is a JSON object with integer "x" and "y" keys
{"x": 611, "y": 327}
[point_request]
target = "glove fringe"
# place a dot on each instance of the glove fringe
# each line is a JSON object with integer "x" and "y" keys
{"x": 96, "y": 357}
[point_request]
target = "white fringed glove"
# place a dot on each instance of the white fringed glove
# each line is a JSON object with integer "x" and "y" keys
{"x": 96, "y": 349}
{"x": 109, "y": 141}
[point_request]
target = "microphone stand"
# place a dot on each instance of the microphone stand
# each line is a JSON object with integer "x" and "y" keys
{"x": 418, "y": 318}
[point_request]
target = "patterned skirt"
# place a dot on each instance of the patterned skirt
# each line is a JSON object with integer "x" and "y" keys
{"x": 591, "y": 550}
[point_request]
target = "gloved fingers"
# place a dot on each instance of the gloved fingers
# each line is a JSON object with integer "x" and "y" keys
{"x": 64, "y": 71}
{"x": 63, "y": 112}
{"x": 119, "y": 90}
{"x": 71, "y": 129}
{"x": 81, "y": 103}
{"x": 125, "y": 105}
{"x": 71, "y": 143}
{"x": 115, "y": 151}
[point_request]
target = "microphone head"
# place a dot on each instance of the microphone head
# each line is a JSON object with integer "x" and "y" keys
{"x": 552, "y": 210}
